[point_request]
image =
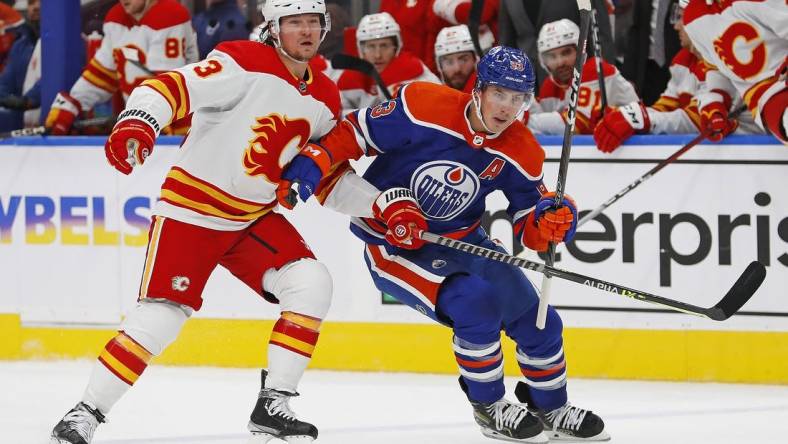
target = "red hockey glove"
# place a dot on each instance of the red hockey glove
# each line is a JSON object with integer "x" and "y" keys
{"x": 62, "y": 114}
{"x": 619, "y": 125}
{"x": 397, "y": 208}
{"x": 130, "y": 143}
{"x": 714, "y": 120}
{"x": 306, "y": 170}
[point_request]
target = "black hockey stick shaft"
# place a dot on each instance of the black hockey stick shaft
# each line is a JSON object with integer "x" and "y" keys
{"x": 40, "y": 130}
{"x": 741, "y": 291}
{"x": 474, "y": 21}
{"x": 344, "y": 61}
{"x": 598, "y": 56}
{"x": 647, "y": 175}
{"x": 563, "y": 167}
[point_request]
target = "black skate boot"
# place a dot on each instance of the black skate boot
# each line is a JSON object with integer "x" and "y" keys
{"x": 567, "y": 423}
{"x": 272, "y": 418}
{"x": 505, "y": 420}
{"x": 78, "y": 426}
{"x": 508, "y": 421}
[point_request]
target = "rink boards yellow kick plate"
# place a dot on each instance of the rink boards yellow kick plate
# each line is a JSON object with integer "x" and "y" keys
{"x": 675, "y": 355}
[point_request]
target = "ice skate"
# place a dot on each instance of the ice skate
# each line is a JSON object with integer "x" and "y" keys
{"x": 567, "y": 423}
{"x": 508, "y": 421}
{"x": 78, "y": 426}
{"x": 272, "y": 418}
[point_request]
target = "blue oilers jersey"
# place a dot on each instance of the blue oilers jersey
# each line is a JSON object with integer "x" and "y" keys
{"x": 423, "y": 141}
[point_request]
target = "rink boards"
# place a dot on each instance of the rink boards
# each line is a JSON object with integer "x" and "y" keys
{"x": 73, "y": 235}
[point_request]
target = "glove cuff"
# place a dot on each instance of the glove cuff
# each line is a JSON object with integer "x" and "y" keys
{"x": 637, "y": 117}
{"x": 319, "y": 155}
{"x": 65, "y": 102}
{"x": 390, "y": 197}
{"x": 141, "y": 116}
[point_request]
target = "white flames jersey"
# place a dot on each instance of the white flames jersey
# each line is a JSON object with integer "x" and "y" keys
{"x": 676, "y": 110}
{"x": 358, "y": 90}
{"x": 251, "y": 116}
{"x": 547, "y": 117}
{"x": 746, "y": 40}
{"x": 131, "y": 50}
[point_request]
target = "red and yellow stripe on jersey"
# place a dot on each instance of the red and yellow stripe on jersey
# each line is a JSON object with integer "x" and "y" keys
{"x": 296, "y": 332}
{"x": 755, "y": 92}
{"x": 186, "y": 191}
{"x": 100, "y": 76}
{"x": 125, "y": 358}
{"x": 172, "y": 86}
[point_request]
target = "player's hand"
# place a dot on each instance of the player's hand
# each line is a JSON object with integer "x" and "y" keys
{"x": 62, "y": 114}
{"x": 129, "y": 144}
{"x": 397, "y": 208}
{"x": 305, "y": 172}
{"x": 619, "y": 125}
{"x": 714, "y": 120}
{"x": 556, "y": 224}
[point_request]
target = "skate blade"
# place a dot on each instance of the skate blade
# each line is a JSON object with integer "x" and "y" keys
{"x": 541, "y": 438}
{"x": 260, "y": 438}
{"x": 298, "y": 439}
{"x": 563, "y": 437}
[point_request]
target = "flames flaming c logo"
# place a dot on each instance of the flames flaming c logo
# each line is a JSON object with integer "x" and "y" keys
{"x": 276, "y": 141}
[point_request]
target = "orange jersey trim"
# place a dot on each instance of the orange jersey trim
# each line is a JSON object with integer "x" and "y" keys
{"x": 172, "y": 86}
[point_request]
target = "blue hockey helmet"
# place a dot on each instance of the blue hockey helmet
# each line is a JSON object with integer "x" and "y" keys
{"x": 506, "y": 67}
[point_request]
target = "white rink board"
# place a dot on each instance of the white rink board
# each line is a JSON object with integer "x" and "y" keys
{"x": 68, "y": 278}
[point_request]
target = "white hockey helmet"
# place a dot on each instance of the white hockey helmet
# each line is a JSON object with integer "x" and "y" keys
{"x": 377, "y": 26}
{"x": 557, "y": 34}
{"x": 683, "y": 3}
{"x": 453, "y": 39}
{"x": 274, "y": 10}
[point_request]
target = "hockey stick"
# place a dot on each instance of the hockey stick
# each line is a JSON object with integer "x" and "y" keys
{"x": 344, "y": 61}
{"x": 585, "y": 18}
{"x": 41, "y": 130}
{"x": 598, "y": 56}
{"x": 474, "y": 20}
{"x": 734, "y": 299}
{"x": 647, "y": 175}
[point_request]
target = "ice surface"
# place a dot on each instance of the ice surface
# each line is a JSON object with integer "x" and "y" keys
{"x": 178, "y": 405}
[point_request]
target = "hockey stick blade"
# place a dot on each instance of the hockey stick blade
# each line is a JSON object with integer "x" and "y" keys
{"x": 737, "y": 296}
{"x": 741, "y": 292}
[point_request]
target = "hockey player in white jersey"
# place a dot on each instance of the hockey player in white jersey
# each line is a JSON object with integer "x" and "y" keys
{"x": 557, "y": 45}
{"x": 688, "y": 104}
{"x": 747, "y": 42}
{"x": 255, "y": 105}
{"x": 379, "y": 42}
{"x": 140, "y": 37}
{"x": 456, "y": 58}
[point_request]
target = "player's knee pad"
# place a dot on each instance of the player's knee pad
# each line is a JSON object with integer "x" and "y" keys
{"x": 466, "y": 300}
{"x": 303, "y": 286}
{"x": 155, "y": 324}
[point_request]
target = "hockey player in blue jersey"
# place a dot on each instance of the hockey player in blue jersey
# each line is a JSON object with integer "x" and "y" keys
{"x": 440, "y": 152}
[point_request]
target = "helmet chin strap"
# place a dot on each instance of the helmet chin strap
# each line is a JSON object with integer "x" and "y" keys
{"x": 477, "y": 105}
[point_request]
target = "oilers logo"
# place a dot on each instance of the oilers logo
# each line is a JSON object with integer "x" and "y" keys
{"x": 444, "y": 189}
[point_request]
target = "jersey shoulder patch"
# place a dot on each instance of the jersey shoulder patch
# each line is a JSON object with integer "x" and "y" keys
{"x": 436, "y": 105}
{"x": 519, "y": 146}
